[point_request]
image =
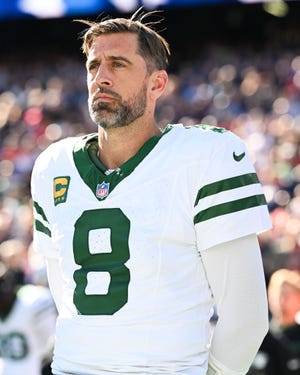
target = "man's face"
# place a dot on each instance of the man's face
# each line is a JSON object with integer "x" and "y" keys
{"x": 117, "y": 80}
{"x": 289, "y": 300}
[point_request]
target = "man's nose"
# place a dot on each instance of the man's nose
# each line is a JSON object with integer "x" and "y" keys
{"x": 103, "y": 76}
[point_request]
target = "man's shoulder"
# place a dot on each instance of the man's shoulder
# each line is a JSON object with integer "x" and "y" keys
{"x": 200, "y": 132}
{"x": 34, "y": 297}
{"x": 61, "y": 145}
{"x": 60, "y": 150}
{"x": 201, "y": 138}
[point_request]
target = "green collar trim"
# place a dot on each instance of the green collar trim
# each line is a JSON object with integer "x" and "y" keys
{"x": 92, "y": 171}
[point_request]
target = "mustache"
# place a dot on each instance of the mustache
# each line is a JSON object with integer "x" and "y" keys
{"x": 104, "y": 90}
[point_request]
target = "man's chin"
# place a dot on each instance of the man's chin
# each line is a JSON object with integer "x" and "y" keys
{"x": 110, "y": 125}
{"x": 104, "y": 123}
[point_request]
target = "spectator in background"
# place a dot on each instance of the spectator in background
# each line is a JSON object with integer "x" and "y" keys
{"x": 27, "y": 323}
{"x": 29, "y": 265}
{"x": 13, "y": 253}
{"x": 280, "y": 351}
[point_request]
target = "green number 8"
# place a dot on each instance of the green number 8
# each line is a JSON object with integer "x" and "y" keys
{"x": 113, "y": 262}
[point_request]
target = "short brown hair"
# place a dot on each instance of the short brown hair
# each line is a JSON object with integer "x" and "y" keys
{"x": 151, "y": 46}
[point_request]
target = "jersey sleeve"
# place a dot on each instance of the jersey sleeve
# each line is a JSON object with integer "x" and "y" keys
{"x": 230, "y": 202}
{"x": 41, "y": 193}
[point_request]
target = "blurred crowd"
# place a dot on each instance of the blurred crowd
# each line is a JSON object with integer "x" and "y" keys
{"x": 255, "y": 94}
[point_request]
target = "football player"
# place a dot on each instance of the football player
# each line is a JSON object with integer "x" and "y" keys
{"x": 144, "y": 231}
{"x": 27, "y": 325}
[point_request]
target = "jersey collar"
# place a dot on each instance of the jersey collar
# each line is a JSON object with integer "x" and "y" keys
{"x": 92, "y": 171}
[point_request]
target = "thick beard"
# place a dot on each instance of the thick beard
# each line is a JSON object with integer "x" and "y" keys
{"x": 122, "y": 114}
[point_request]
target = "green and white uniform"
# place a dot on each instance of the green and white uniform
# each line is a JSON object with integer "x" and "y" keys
{"x": 27, "y": 332}
{"x": 135, "y": 296}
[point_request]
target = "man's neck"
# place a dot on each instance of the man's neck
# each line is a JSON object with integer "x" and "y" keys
{"x": 118, "y": 145}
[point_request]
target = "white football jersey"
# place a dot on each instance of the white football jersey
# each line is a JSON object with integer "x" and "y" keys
{"x": 26, "y": 333}
{"x": 129, "y": 243}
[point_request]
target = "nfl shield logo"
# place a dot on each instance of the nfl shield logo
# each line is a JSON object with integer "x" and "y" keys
{"x": 102, "y": 190}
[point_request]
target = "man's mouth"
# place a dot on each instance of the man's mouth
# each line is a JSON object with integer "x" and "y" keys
{"x": 103, "y": 98}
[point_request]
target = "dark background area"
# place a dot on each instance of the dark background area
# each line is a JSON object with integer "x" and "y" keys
{"x": 189, "y": 30}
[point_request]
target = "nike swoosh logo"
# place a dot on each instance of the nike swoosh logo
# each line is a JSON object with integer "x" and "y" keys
{"x": 238, "y": 157}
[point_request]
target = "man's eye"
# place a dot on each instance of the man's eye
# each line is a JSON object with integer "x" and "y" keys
{"x": 117, "y": 64}
{"x": 92, "y": 67}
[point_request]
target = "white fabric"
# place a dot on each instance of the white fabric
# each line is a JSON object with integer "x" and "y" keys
{"x": 215, "y": 368}
{"x": 235, "y": 273}
{"x": 162, "y": 326}
{"x": 241, "y": 260}
{"x": 55, "y": 281}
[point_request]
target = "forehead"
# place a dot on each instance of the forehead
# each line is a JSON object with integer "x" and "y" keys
{"x": 115, "y": 44}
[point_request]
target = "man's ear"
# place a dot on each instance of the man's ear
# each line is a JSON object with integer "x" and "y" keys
{"x": 159, "y": 80}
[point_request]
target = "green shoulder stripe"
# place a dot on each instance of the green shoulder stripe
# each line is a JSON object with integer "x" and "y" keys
{"x": 40, "y": 227}
{"x": 39, "y": 210}
{"x": 226, "y": 184}
{"x": 230, "y": 207}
